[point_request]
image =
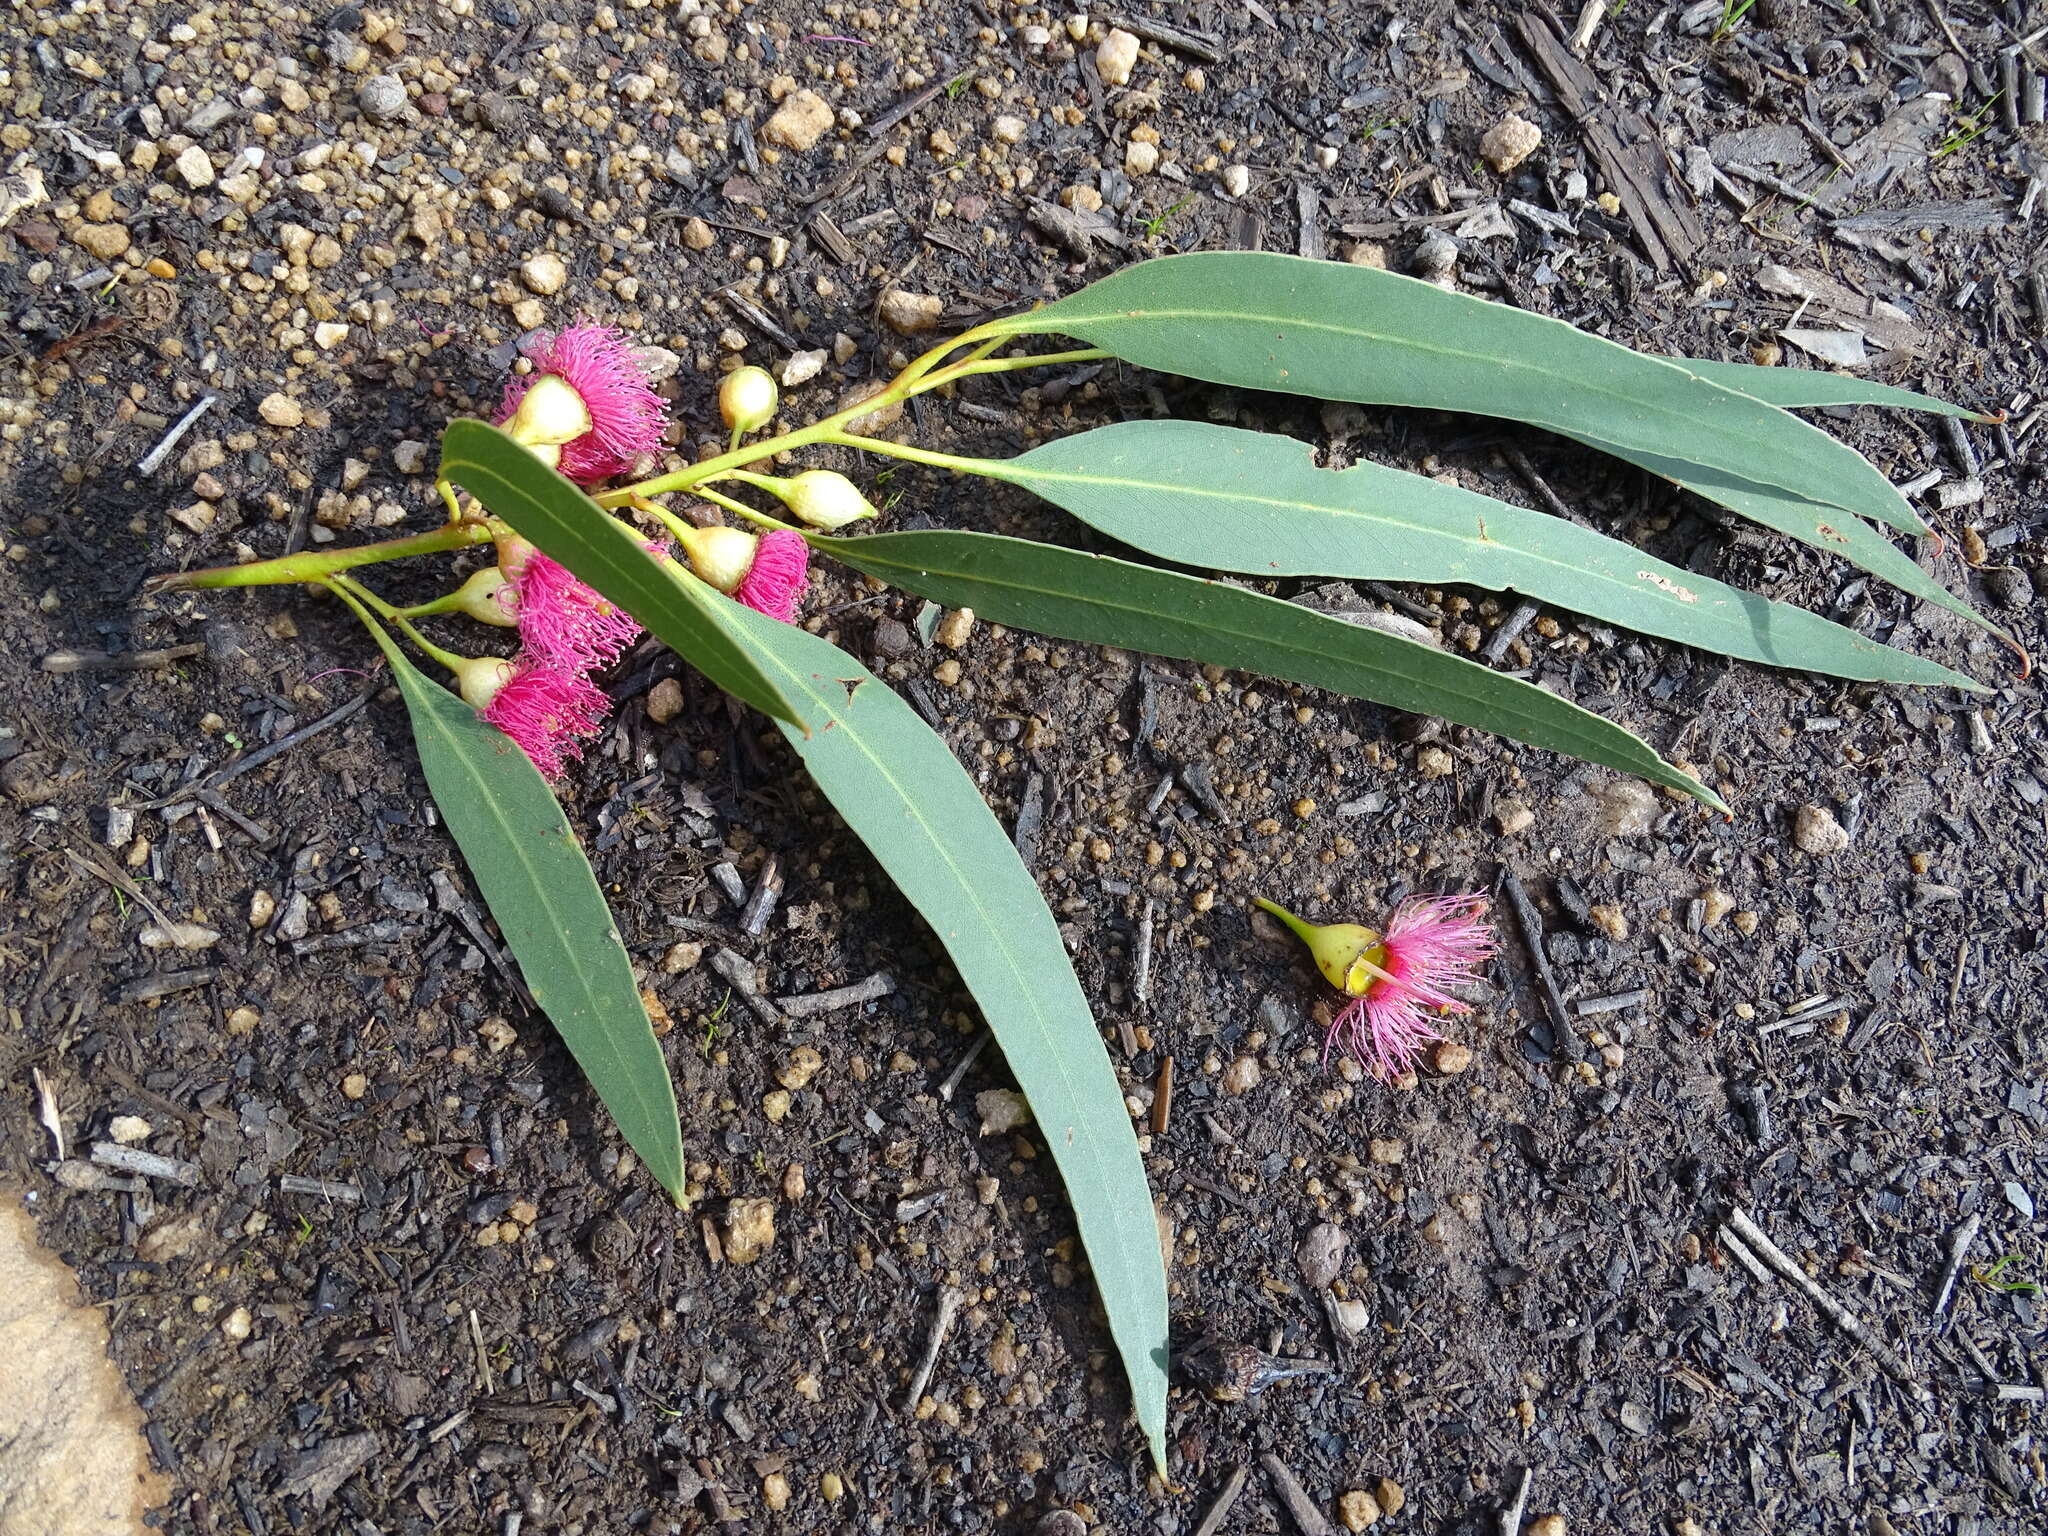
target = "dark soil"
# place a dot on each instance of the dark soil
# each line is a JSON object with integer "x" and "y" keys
{"x": 491, "y": 1320}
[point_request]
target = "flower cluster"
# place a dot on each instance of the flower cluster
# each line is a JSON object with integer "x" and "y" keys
{"x": 1399, "y": 979}
{"x": 586, "y": 409}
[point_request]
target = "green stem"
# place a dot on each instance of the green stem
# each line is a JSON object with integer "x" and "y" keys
{"x": 734, "y": 445}
{"x": 1302, "y": 931}
{"x": 349, "y": 587}
{"x": 910, "y": 382}
{"x": 732, "y": 505}
{"x": 319, "y": 565}
{"x": 377, "y": 631}
{"x": 992, "y": 468}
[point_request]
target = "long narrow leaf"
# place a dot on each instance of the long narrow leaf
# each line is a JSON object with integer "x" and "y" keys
{"x": 540, "y": 889}
{"x": 911, "y": 802}
{"x": 1333, "y": 331}
{"x": 1225, "y": 499}
{"x": 517, "y": 487}
{"x": 1799, "y": 387}
{"x": 1101, "y": 601}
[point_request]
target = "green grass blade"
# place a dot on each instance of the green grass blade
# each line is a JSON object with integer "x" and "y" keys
{"x": 1800, "y": 387}
{"x": 540, "y": 889}
{"x": 1225, "y": 499}
{"x": 1097, "y": 600}
{"x": 1333, "y": 331}
{"x": 901, "y": 789}
{"x": 551, "y": 513}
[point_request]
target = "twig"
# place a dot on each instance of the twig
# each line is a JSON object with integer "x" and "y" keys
{"x": 810, "y": 1004}
{"x": 326, "y": 1189}
{"x": 1509, "y": 630}
{"x": 123, "y": 661}
{"x": 1219, "y": 1511}
{"x": 952, "y": 1083}
{"x": 1958, "y": 1250}
{"x": 151, "y": 1165}
{"x": 153, "y": 460}
{"x": 46, "y": 1110}
{"x": 1591, "y": 14}
{"x": 1531, "y": 925}
{"x": 1162, "y": 1097}
{"x": 1511, "y": 1517}
{"x": 950, "y": 1302}
{"x": 740, "y": 975}
{"x": 264, "y": 754}
{"x": 483, "y": 1359}
{"x": 1844, "y": 1319}
{"x": 1738, "y": 1250}
{"x": 761, "y": 906}
{"x": 1300, "y": 1507}
{"x": 1141, "y": 962}
{"x": 1590, "y": 1007}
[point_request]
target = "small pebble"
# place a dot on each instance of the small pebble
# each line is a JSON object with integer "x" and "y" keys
{"x": 545, "y": 274}
{"x": 799, "y": 122}
{"x": 1393, "y": 1498}
{"x": 910, "y": 313}
{"x": 1241, "y": 1076}
{"x": 1237, "y": 180}
{"x": 1509, "y": 142}
{"x": 381, "y": 97}
{"x": 1001, "y": 1110}
{"x": 128, "y": 1130}
{"x": 664, "y": 701}
{"x": 749, "y": 1229}
{"x": 1547, "y": 1525}
{"x": 1116, "y": 56}
{"x": 194, "y": 168}
{"x": 1358, "y": 1509}
{"x": 1816, "y": 831}
{"x": 281, "y": 410}
{"x": 1141, "y": 158}
{"x": 955, "y": 628}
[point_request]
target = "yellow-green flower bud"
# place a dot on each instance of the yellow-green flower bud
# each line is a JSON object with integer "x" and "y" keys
{"x": 823, "y": 499}
{"x": 488, "y": 596}
{"x": 550, "y": 414}
{"x": 747, "y": 399}
{"x": 478, "y": 679}
{"x": 722, "y": 556}
{"x": 1351, "y": 956}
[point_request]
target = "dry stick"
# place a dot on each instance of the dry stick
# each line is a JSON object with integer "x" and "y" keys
{"x": 1958, "y": 1250}
{"x": 1511, "y": 1517}
{"x": 1141, "y": 962}
{"x": 949, "y": 1308}
{"x": 1531, "y": 924}
{"x": 149, "y": 463}
{"x": 1212, "y": 1522}
{"x": 952, "y": 1083}
{"x": 809, "y": 1004}
{"x": 1591, "y": 14}
{"x": 1844, "y": 1319}
{"x": 1300, "y": 1506}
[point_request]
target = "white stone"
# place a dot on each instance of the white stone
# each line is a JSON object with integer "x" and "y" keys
{"x": 1116, "y": 57}
{"x": 545, "y": 274}
{"x": 1237, "y": 180}
{"x": 194, "y": 168}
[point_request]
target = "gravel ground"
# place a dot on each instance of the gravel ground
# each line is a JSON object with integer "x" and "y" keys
{"x": 406, "y": 1278}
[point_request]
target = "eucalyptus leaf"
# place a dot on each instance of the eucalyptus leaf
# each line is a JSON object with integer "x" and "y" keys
{"x": 906, "y": 796}
{"x": 1101, "y": 601}
{"x": 553, "y": 514}
{"x": 535, "y": 879}
{"x": 1800, "y": 387}
{"x": 1253, "y": 502}
{"x": 1327, "y": 329}
{"x": 902, "y": 791}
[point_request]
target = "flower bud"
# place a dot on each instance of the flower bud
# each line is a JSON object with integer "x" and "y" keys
{"x": 722, "y": 556}
{"x": 488, "y": 596}
{"x": 747, "y": 399}
{"x": 550, "y": 414}
{"x": 1351, "y": 956}
{"x": 823, "y": 499}
{"x": 513, "y": 553}
{"x": 478, "y": 679}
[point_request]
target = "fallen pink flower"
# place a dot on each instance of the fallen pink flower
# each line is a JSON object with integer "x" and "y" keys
{"x": 1432, "y": 945}
{"x": 565, "y": 623}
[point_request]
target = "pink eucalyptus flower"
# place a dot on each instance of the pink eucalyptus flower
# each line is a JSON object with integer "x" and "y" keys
{"x": 1432, "y": 945}
{"x": 627, "y": 418}
{"x": 566, "y": 624}
{"x": 549, "y": 712}
{"x": 775, "y": 583}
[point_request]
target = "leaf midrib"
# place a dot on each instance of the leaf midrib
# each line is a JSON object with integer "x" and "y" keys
{"x": 512, "y": 839}
{"x": 990, "y": 925}
{"x": 1576, "y": 713}
{"x": 1602, "y": 390}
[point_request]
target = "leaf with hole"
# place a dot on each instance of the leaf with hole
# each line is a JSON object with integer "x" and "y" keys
{"x": 1253, "y": 502}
